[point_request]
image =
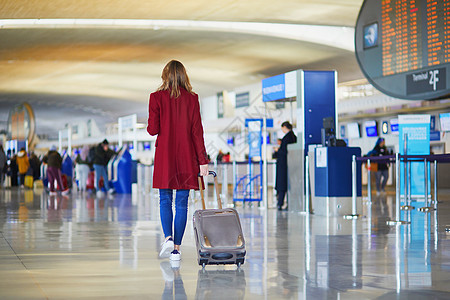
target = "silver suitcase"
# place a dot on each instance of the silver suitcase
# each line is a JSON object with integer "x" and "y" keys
{"x": 218, "y": 233}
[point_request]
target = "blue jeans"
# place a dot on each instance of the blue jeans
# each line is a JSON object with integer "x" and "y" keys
{"x": 381, "y": 184}
{"x": 101, "y": 171}
{"x": 166, "y": 213}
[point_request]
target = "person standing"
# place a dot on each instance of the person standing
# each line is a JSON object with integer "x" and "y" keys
{"x": 13, "y": 168}
{"x": 83, "y": 167}
{"x": 281, "y": 184}
{"x": 35, "y": 165}
{"x": 3, "y": 165}
{"x": 102, "y": 155}
{"x": 54, "y": 163}
{"x": 24, "y": 164}
{"x": 382, "y": 174}
{"x": 174, "y": 115}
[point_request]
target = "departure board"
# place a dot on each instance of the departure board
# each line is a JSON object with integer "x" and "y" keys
{"x": 403, "y": 47}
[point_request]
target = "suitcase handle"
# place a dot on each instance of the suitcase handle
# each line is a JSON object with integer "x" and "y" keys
{"x": 210, "y": 173}
{"x": 216, "y": 186}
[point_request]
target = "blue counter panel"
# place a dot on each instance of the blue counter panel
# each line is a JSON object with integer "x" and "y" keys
{"x": 319, "y": 103}
{"x": 333, "y": 172}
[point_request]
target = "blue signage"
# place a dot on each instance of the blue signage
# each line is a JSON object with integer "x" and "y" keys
{"x": 394, "y": 125}
{"x": 254, "y": 138}
{"x": 371, "y": 128}
{"x": 417, "y": 130}
{"x": 280, "y": 87}
{"x": 273, "y": 88}
{"x": 435, "y": 136}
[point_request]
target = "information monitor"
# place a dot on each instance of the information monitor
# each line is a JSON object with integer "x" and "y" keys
{"x": 403, "y": 47}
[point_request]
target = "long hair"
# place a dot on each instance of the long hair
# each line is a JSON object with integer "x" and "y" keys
{"x": 174, "y": 77}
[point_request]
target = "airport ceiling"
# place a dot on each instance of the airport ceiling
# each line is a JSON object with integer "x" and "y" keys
{"x": 104, "y": 69}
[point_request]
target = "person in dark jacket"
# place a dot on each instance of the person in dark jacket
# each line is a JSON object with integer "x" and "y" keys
{"x": 14, "y": 170}
{"x": 3, "y": 165}
{"x": 281, "y": 183}
{"x": 382, "y": 174}
{"x": 102, "y": 155}
{"x": 54, "y": 163}
{"x": 35, "y": 165}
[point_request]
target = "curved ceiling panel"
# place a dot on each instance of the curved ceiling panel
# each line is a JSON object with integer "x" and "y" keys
{"x": 117, "y": 65}
{"x": 324, "y": 12}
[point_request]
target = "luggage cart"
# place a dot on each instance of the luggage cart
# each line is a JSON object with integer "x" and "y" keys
{"x": 248, "y": 188}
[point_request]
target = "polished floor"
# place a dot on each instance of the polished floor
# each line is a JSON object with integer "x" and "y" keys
{"x": 83, "y": 247}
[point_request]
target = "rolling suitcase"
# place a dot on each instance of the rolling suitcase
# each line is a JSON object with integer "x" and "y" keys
{"x": 29, "y": 181}
{"x": 218, "y": 233}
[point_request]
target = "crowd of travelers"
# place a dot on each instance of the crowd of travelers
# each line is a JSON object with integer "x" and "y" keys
{"x": 57, "y": 172}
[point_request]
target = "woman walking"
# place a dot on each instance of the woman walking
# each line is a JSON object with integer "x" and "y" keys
{"x": 174, "y": 115}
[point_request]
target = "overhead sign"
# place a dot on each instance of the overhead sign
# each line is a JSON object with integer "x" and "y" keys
{"x": 242, "y": 100}
{"x": 402, "y": 47}
{"x": 279, "y": 87}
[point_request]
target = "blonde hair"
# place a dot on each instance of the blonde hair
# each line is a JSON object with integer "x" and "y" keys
{"x": 174, "y": 77}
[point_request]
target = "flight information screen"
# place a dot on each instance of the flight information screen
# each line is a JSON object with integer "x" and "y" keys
{"x": 403, "y": 46}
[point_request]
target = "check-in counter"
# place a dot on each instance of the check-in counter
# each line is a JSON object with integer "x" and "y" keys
{"x": 120, "y": 171}
{"x": 333, "y": 180}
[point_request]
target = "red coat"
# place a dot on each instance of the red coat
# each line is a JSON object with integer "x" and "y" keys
{"x": 180, "y": 148}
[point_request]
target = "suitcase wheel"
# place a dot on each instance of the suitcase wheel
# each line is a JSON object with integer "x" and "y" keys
{"x": 203, "y": 262}
{"x": 239, "y": 262}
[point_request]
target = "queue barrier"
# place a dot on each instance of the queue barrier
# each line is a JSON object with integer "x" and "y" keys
{"x": 244, "y": 188}
{"x": 407, "y": 159}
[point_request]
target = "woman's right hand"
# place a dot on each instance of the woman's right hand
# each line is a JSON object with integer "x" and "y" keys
{"x": 204, "y": 170}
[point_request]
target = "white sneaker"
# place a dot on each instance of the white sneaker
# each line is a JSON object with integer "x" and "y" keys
{"x": 65, "y": 192}
{"x": 166, "y": 248}
{"x": 175, "y": 255}
{"x": 99, "y": 194}
{"x": 53, "y": 193}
